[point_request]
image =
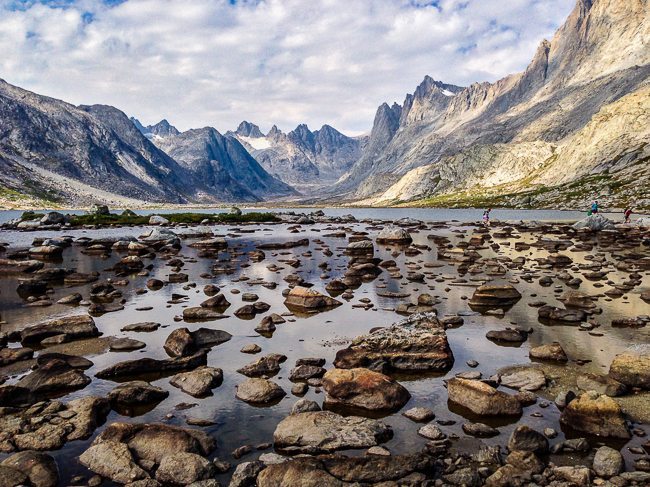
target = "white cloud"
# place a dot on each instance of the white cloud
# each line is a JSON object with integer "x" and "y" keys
{"x": 209, "y": 62}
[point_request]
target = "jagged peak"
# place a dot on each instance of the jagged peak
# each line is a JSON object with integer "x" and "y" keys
{"x": 248, "y": 129}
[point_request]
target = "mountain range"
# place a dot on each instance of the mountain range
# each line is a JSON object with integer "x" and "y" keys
{"x": 573, "y": 126}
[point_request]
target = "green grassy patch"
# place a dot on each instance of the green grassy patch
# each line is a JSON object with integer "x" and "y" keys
{"x": 129, "y": 218}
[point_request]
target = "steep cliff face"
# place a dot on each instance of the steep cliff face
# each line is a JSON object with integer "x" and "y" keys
{"x": 600, "y": 55}
{"x": 42, "y": 139}
{"x": 304, "y": 159}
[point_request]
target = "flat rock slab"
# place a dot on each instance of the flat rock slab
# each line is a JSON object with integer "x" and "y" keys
{"x": 324, "y": 431}
{"x": 125, "y": 344}
{"x": 145, "y": 366}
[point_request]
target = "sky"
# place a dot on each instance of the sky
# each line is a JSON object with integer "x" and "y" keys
{"x": 217, "y": 62}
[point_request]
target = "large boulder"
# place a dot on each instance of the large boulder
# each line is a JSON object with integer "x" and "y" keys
{"x": 324, "y": 431}
{"x": 524, "y": 438}
{"x": 53, "y": 218}
{"x": 125, "y": 453}
{"x": 632, "y": 367}
{"x": 481, "y": 398}
{"x": 394, "y": 235}
{"x": 363, "y": 388}
{"x": 305, "y": 299}
{"x": 595, "y": 414}
{"x": 419, "y": 343}
{"x": 491, "y": 296}
{"x": 595, "y": 223}
{"x": 552, "y": 352}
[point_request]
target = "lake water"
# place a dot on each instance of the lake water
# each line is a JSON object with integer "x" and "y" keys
{"x": 323, "y": 334}
{"x": 424, "y": 214}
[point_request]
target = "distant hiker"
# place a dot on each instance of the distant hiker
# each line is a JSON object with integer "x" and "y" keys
{"x": 594, "y": 208}
{"x": 627, "y": 214}
{"x": 486, "y": 217}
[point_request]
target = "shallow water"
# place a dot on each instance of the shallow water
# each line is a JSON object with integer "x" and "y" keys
{"x": 238, "y": 423}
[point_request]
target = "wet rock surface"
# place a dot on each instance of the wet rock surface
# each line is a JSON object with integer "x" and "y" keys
{"x": 436, "y": 353}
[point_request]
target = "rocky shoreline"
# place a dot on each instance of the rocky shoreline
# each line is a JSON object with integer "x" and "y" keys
{"x": 412, "y": 384}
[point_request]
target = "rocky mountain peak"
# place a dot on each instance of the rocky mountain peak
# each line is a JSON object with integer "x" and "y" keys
{"x": 163, "y": 129}
{"x": 248, "y": 129}
{"x": 301, "y": 135}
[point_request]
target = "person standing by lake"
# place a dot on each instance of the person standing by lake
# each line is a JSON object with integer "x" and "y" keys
{"x": 486, "y": 217}
{"x": 594, "y": 208}
{"x": 627, "y": 214}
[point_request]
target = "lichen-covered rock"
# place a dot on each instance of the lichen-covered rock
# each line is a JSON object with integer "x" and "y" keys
{"x": 324, "y": 431}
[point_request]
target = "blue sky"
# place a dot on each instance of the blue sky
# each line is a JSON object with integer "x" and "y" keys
{"x": 284, "y": 62}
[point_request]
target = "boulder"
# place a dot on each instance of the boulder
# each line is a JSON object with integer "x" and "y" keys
{"x": 147, "y": 366}
{"x": 522, "y": 377}
{"x": 481, "y": 398}
{"x": 72, "y": 327}
{"x": 601, "y": 384}
{"x": 324, "y": 431}
{"x": 183, "y": 469}
{"x": 394, "y": 235}
{"x": 595, "y": 414}
{"x": 179, "y": 343}
{"x": 608, "y": 462}
{"x": 304, "y": 299}
{"x": 113, "y": 460}
{"x": 552, "y": 352}
{"x": 136, "y": 392}
{"x": 259, "y": 391}
{"x": 54, "y": 376}
{"x": 494, "y": 296}
{"x": 632, "y": 367}
{"x": 552, "y": 313}
{"x": 268, "y": 365}
{"x": 53, "y": 218}
{"x": 40, "y": 468}
{"x": 595, "y": 223}
{"x": 11, "y": 355}
{"x": 419, "y": 343}
{"x": 363, "y": 388}
{"x": 524, "y": 438}
{"x": 198, "y": 382}
{"x": 158, "y": 220}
